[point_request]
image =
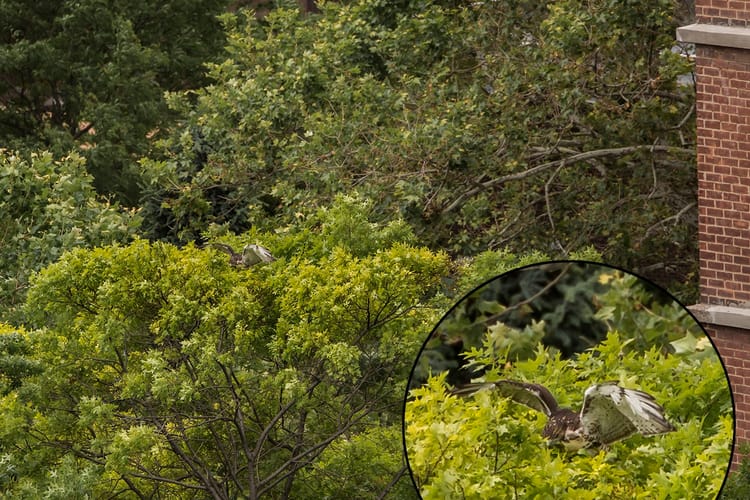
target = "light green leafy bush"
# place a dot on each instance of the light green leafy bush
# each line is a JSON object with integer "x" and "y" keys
{"x": 488, "y": 447}
{"x": 166, "y": 372}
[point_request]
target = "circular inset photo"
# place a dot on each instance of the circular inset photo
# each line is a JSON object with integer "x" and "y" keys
{"x": 568, "y": 379}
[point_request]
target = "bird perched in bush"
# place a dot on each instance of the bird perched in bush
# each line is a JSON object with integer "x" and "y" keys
{"x": 251, "y": 254}
{"x": 610, "y": 413}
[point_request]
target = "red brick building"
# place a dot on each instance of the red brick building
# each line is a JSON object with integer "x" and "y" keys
{"x": 722, "y": 38}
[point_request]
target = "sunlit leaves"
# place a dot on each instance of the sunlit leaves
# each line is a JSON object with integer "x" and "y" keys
{"x": 155, "y": 358}
{"x": 470, "y": 457}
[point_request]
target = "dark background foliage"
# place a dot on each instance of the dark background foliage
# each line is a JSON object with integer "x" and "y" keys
{"x": 90, "y": 74}
{"x": 564, "y": 306}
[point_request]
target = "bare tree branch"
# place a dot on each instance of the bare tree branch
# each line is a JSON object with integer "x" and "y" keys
{"x": 305, "y": 457}
{"x": 396, "y": 477}
{"x": 676, "y": 218}
{"x": 548, "y": 204}
{"x": 588, "y": 155}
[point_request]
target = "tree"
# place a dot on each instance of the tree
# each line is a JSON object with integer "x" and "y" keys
{"x": 167, "y": 372}
{"x": 482, "y": 125}
{"x": 90, "y": 76}
{"x": 49, "y": 206}
{"x": 15, "y": 364}
{"x": 738, "y": 482}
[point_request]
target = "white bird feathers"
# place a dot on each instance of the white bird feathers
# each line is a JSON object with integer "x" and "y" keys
{"x": 251, "y": 254}
{"x": 611, "y": 413}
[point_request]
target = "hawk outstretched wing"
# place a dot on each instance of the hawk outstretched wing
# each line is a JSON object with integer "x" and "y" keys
{"x": 611, "y": 413}
{"x": 235, "y": 259}
{"x": 535, "y": 396}
{"x": 223, "y": 247}
{"x": 254, "y": 254}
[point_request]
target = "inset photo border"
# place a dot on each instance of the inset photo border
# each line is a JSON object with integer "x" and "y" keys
{"x": 568, "y": 379}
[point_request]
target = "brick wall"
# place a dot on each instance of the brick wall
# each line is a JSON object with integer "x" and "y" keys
{"x": 725, "y": 12}
{"x": 732, "y": 344}
{"x": 723, "y": 148}
{"x": 723, "y": 156}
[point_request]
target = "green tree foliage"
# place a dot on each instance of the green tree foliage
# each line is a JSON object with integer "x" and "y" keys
{"x": 738, "y": 482}
{"x": 48, "y": 206}
{"x": 486, "y": 446}
{"x": 567, "y": 306}
{"x": 169, "y": 373}
{"x": 91, "y": 74}
{"x": 15, "y": 364}
{"x": 559, "y": 294}
{"x": 488, "y": 124}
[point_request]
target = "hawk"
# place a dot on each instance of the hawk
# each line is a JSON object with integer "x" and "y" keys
{"x": 251, "y": 254}
{"x": 609, "y": 413}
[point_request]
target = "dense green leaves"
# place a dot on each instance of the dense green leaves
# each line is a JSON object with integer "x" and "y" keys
{"x": 15, "y": 364}
{"x": 738, "y": 483}
{"x": 167, "y": 371}
{"x": 488, "y": 447}
{"x": 48, "y": 206}
{"x": 484, "y": 129}
{"x": 90, "y": 75}
{"x": 520, "y": 124}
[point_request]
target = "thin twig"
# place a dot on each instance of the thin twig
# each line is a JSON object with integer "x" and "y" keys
{"x": 549, "y": 205}
{"x": 676, "y": 217}
{"x": 588, "y": 155}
